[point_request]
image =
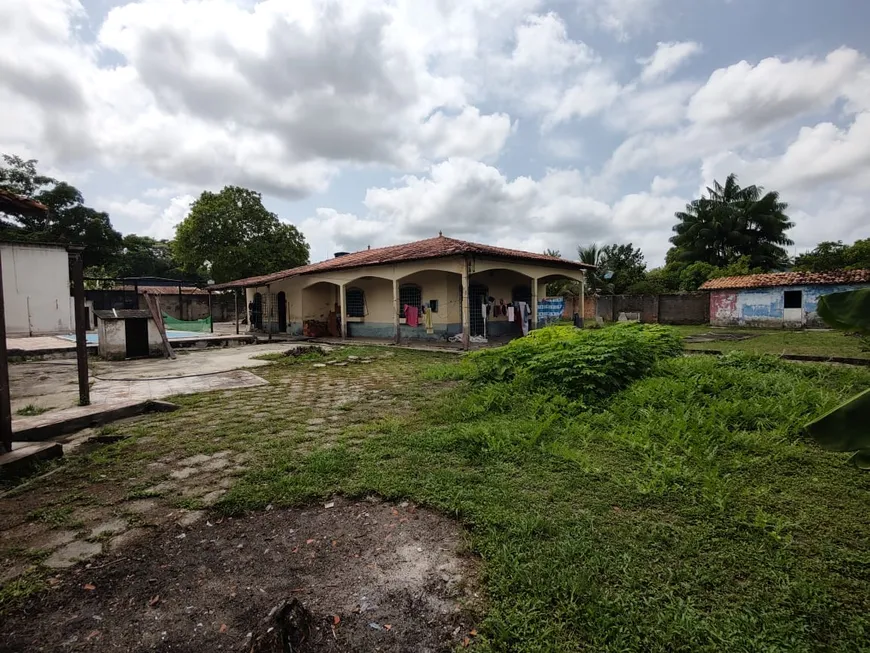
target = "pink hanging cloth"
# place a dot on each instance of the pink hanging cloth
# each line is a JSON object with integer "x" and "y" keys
{"x": 412, "y": 315}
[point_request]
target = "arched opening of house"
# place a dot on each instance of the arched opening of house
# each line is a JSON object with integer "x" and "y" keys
{"x": 281, "y": 300}
{"x": 355, "y": 300}
{"x": 257, "y": 311}
{"x": 477, "y": 295}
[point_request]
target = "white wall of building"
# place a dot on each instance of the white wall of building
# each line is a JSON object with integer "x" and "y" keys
{"x": 36, "y": 289}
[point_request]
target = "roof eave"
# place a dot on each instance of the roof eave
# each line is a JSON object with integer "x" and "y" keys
{"x": 264, "y": 280}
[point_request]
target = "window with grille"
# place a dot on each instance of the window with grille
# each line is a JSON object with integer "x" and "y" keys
{"x": 522, "y": 294}
{"x": 355, "y": 299}
{"x": 409, "y": 295}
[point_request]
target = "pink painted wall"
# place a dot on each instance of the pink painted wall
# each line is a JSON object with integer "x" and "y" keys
{"x": 723, "y": 307}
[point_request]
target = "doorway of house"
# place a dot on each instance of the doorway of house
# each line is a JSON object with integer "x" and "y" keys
{"x": 257, "y": 311}
{"x": 282, "y": 312}
{"x": 136, "y": 336}
{"x": 476, "y": 299}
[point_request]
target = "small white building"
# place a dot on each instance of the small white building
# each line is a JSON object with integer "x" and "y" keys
{"x": 36, "y": 289}
{"x": 127, "y": 333}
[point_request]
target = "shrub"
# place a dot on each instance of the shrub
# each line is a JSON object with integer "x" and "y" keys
{"x": 580, "y": 364}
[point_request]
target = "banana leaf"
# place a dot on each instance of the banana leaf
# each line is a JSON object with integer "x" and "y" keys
{"x": 846, "y": 428}
{"x": 847, "y": 311}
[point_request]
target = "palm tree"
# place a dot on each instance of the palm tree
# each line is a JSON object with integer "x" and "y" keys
{"x": 595, "y": 281}
{"x": 732, "y": 222}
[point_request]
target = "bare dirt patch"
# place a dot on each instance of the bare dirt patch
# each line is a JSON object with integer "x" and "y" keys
{"x": 373, "y": 575}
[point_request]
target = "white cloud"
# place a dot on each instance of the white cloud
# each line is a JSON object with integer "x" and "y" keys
{"x": 467, "y": 134}
{"x": 468, "y": 199}
{"x": 773, "y": 91}
{"x": 147, "y": 219}
{"x": 666, "y": 59}
{"x": 741, "y": 104}
{"x": 274, "y": 95}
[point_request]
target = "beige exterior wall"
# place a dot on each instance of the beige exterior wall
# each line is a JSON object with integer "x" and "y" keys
{"x": 314, "y": 296}
{"x": 378, "y": 299}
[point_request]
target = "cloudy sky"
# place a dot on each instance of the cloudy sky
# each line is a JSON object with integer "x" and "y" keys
{"x": 520, "y": 123}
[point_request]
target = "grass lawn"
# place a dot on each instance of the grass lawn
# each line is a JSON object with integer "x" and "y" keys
{"x": 781, "y": 341}
{"x": 685, "y": 514}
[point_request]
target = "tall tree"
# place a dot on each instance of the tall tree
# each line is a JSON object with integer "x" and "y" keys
{"x": 142, "y": 256}
{"x": 68, "y": 219}
{"x": 234, "y": 231}
{"x": 626, "y": 264}
{"x": 732, "y": 222}
{"x": 595, "y": 281}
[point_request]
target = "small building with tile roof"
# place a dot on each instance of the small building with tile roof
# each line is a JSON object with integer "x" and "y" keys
{"x": 367, "y": 293}
{"x": 778, "y": 299}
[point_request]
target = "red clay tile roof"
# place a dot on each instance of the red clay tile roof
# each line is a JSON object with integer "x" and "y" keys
{"x": 10, "y": 202}
{"x": 789, "y": 279}
{"x": 437, "y": 247}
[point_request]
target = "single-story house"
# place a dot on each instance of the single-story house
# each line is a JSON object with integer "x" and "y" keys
{"x": 386, "y": 292}
{"x": 779, "y": 299}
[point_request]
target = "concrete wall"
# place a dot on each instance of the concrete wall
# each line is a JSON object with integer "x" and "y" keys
{"x": 688, "y": 308}
{"x": 112, "y": 339}
{"x": 36, "y": 289}
{"x": 765, "y": 307}
{"x": 112, "y": 335}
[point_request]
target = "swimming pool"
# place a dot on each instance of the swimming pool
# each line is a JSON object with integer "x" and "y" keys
{"x": 172, "y": 335}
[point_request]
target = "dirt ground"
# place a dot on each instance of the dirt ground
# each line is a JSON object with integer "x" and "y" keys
{"x": 375, "y": 576}
{"x": 133, "y": 522}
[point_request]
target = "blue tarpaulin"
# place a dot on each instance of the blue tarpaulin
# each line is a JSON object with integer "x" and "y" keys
{"x": 550, "y": 309}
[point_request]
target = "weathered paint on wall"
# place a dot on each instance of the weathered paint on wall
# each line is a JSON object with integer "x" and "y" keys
{"x": 36, "y": 289}
{"x": 765, "y": 307}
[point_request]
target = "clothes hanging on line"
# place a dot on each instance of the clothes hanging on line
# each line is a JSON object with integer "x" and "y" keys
{"x": 411, "y": 315}
{"x": 523, "y": 311}
{"x": 510, "y": 313}
{"x": 427, "y": 321}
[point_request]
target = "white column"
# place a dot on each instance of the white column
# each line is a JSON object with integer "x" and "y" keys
{"x": 535, "y": 303}
{"x": 583, "y": 298}
{"x": 343, "y": 300}
{"x": 466, "y": 314}
{"x": 396, "y": 308}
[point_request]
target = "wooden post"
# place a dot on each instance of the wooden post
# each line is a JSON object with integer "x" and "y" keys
{"x": 343, "y": 305}
{"x": 157, "y": 316}
{"x": 396, "y": 309}
{"x": 180, "y": 304}
{"x": 236, "y": 302}
{"x": 210, "y": 316}
{"x": 5, "y": 401}
{"x": 466, "y": 314}
{"x": 81, "y": 329}
{"x": 534, "y": 305}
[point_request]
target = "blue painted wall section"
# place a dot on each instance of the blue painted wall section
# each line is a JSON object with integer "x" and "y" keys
{"x": 764, "y": 307}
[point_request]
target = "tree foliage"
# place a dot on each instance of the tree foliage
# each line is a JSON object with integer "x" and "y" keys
{"x": 594, "y": 255}
{"x": 829, "y": 255}
{"x": 626, "y": 264}
{"x": 238, "y": 235}
{"x": 68, "y": 219}
{"x": 732, "y": 222}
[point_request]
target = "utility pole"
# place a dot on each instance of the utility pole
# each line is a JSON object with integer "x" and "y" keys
{"x": 5, "y": 402}
{"x": 81, "y": 327}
